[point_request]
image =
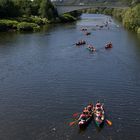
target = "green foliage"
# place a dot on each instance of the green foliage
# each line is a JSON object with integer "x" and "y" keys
{"x": 76, "y": 14}
{"x": 118, "y": 13}
{"x": 25, "y": 26}
{"x": 138, "y": 31}
{"x": 67, "y": 18}
{"x": 131, "y": 18}
{"x": 35, "y": 7}
{"x": 108, "y": 11}
{"x": 24, "y": 6}
{"x": 8, "y": 24}
{"x": 47, "y": 10}
{"x": 33, "y": 19}
{"x": 8, "y": 9}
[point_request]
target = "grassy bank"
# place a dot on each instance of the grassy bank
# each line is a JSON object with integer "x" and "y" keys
{"x": 32, "y": 23}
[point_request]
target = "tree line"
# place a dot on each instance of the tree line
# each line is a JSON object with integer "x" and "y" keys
{"x": 129, "y": 17}
{"x": 19, "y": 8}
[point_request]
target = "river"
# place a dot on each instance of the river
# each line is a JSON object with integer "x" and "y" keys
{"x": 44, "y": 79}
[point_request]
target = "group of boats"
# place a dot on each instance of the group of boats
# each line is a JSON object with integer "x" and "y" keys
{"x": 92, "y": 112}
{"x": 91, "y": 47}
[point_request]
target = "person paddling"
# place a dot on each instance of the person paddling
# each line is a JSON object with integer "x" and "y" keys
{"x": 82, "y": 116}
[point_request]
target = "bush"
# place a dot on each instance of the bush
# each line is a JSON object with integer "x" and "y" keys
{"x": 33, "y": 19}
{"x": 108, "y": 11}
{"x": 138, "y": 31}
{"x": 132, "y": 18}
{"x": 39, "y": 21}
{"x": 8, "y": 24}
{"x": 25, "y": 26}
{"x": 118, "y": 14}
{"x": 67, "y": 18}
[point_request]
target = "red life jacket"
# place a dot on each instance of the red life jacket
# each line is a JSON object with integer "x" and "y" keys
{"x": 82, "y": 116}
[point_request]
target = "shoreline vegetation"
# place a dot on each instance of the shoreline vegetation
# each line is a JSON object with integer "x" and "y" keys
{"x": 30, "y": 15}
{"x": 27, "y": 15}
{"x": 130, "y": 17}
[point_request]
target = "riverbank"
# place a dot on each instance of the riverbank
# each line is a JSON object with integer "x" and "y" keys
{"x": 129, "y": 17}
{"x": 27, "y": 15}
{"x": 32, "y": 23}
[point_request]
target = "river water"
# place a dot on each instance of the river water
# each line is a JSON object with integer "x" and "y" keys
{"x": 44, "y": 79}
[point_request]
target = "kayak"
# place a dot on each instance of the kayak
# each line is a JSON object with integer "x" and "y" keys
{"x": 99, "y": 116}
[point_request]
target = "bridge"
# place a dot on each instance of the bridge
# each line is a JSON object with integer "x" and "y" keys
{"x": 69, "y": 8}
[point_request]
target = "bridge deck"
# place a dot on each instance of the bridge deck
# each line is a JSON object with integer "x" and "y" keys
{"x": 69, "y": 8}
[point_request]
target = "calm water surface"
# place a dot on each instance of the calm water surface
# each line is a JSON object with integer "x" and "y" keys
{"x": 44, "y": 79}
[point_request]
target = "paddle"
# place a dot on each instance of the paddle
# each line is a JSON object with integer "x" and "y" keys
{"x": 108, "y": 122}
{"x": 73, "y": 123}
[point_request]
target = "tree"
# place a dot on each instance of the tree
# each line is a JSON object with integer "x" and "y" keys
{"x": 8, "y": 9}
{"x": 47, "y": 10}
{"x": 24, "y": 6}
{"x": 35, "y": 7}
{"x": 131, "y": 18}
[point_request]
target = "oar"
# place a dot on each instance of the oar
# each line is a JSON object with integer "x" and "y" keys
{"x": 75, "y": 114}
{"x": 108, "y": 122}
{"x": 73, "y": 123}
{"x": 73, "y": 44}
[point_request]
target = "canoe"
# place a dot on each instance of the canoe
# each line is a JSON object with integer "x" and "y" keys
{"x": 80, "y": 43}
{"x": 91, "y": 48}
{"x": 108, "y": 46}
{"x": 83, "y": 122}
{"x": 99, "y": 117}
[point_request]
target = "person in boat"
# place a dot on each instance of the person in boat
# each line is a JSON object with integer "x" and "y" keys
{"x": 82, "y": 42}
{"x": 90, "y": 107}
{"x": 91, "y": 48}
{"x": 99, "y": 106}
{"x": 84, "y": 29}
{"x": 83, "y": 116}
{"x": 109, "y": 45}
{"x": 87, "y": 112}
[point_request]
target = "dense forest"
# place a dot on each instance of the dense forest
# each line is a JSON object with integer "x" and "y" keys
{"x": 29, "y": 15}
{"x": 16, "y": 8}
